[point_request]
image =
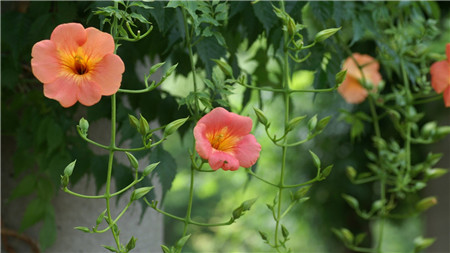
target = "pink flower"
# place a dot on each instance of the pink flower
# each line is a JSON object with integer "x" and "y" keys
{"x": 77, "y": 64}
{"x": 440, "y": 76}
{"x": 351, "y": 89}
{"x": 224, "y": 139}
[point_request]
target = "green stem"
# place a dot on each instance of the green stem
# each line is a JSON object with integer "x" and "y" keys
{"x": 286, "y": 79}
{"x": 376, "y": 126}
{"x": 191, "y": 59}
{"x": 82, "y": 195}
{"x": 110, "y": 165}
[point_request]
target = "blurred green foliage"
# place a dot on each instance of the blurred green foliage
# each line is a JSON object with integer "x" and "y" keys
{"x": 246, "y": 35}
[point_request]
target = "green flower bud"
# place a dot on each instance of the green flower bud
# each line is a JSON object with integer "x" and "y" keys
{"x": 69, "y": 168}
{"x": 173, "y": 126}
{"x": 133, "y": 161}
{"x": 134, "y": 122}
{"x": 284, "y": 232}
{"x": 139, "y": 193}
{"x": 263, "y": 235}
{"x": 421, "y": 243}
{"x": 294, "y": 122}
{"x": 84, "y": 126}
{"x": 131, "y": 244}
{"x": 351, "y": 173}
{"x": 426, "y": 203}
{"x": 260, "y": 115}
{"x": 325, "y": 34}
{"x": 84, "y": 229}
{"x": 144, "y": 128}
{"x": 340, "y": 77}
{"x": 300, "y": 193}
{"x": 150, "y": 168}
{"x": 312, "y": 123}
{"x": 435, "y": 173}
{"x": 316, "y": 159}
{"x": 429, "y": 129}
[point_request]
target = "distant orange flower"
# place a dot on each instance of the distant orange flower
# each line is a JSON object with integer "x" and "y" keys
{"x": 351, "y": 89}
{"x": 440, "y": 76}
{"x": 77, "y": 64}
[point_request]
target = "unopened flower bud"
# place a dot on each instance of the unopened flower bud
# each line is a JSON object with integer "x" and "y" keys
{"x": 426, "y": 203}
{"x": 173, "y": 126}
{"x": 325, "y": 34}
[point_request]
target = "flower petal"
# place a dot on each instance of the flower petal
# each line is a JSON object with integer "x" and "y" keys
{"x": 447, "y": 97}
{"x": 370, "y": 68}
{"x": 63, "y": 89}
{"x": 223, "y": 160}
{"x": 440, "y": 76}
{"x": 68, "y": 37}
{"x": 219, "y": 118}
{"x": 98, "y": 43}
{"x": 45, "y": 63}
{"x": 247, "y": 151}
{"x": 352, "y": 91}
{"x": 107, "y": 73}
{"x": 89, "y": 92}
{"x": 202, "y": 144}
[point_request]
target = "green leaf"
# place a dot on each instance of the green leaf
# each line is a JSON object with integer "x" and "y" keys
{"x": 55, "y": 136}
{"x": 47, "y": 234}
{"x": 167, "y": 168}
{"x": 34, "y": 212}
{"x": 264, "y": 12}
{"x": 208, "y": 49}
{"x": 100, "y": 218}
{"x": 25, "y": 187}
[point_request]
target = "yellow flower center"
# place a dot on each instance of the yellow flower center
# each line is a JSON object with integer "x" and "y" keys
{"x": 80, "y": 65}
{"x": 77, "y": 64}
{"x": 222, "y": 140}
